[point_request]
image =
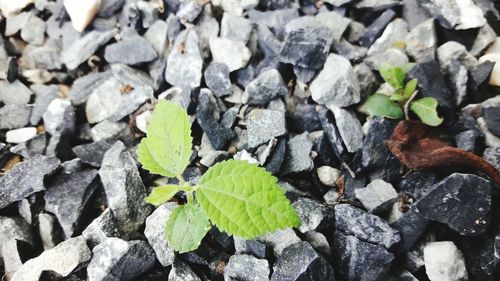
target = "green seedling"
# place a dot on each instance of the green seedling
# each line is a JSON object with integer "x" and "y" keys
{"x": 239, "y": 198}
{"x": 401, "y": 101}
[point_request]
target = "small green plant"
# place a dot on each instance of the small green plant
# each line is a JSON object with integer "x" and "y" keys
{"x": 397, "y": 105}
{"x": 239, "y": 198}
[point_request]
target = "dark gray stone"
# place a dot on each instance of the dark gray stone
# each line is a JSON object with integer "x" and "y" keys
{"x": 364, "y": 226}
{"x": 32, "y": 147}
{"x": 349, "y": 51}
{"x": 457, "y": 14}
{"x": 14, "y": 116}
{"x": 246, "y": 268}
{"x": 358, "y": 260}
{"x": 110, "y": 7}
{"x": 124, "y": 189}
{"x": 217, "y": 79}
{"x": 26, "y": 178}
{"x": 264, "y": 124}
{"x": 85, "y": 47}
{"x": 298, "y": 159}
{"x": 301, "y": 262}
{"x": 313, "y": 215}
{"x": 418, "y": 183}
{"x": 131, "y": 50}
{"x": 306, "y": 47}
{"x": 491, "y": 116}
{"x": 303, "y": 117}
{"x": 44, "y": 95}
{"x": 469, "y": 140}
{"x": 332, "y": 135}
{"x": 206, "y": 113}
{"x": 182, "y": 272}
{"x": 411, "y": 227}
{"x": 461, "y": 201}
{"x": 349, "y": 128}
{"x": 250, "y": 247}
{"x": 102, "y": 227}
{"x": 66, "y": 197}
{"x": 374, "y": 152}
{"x": 119, "y": 260}
{"x": 373, "y": 31}
{"x": 92, "y": 153}
{"x": 85, "y": 85}
{"x": 266, "y": 87}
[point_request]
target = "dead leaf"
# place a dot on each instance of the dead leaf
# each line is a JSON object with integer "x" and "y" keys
{"x": 417, "y": 147}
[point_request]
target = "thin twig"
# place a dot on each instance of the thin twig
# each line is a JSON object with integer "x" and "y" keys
{"x": 407, "y": 105}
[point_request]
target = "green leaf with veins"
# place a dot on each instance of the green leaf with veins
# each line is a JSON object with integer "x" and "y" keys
{"x": 162, "y": 194}
{"x": 394, "y": 76}
{"x": 426, "y": 110}
{"x": 186, "y": 227}
{"x": 167, "y": 148}
{"x": 244, "y": 200}
{"x": 381, "y": 105}
{"x": 410, "y": 88}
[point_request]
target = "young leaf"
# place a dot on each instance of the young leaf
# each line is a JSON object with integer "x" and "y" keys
{"x": 186, "y": 227}
{"x": 162, "y": 194}
{"x": 381, "y": 105}
{"x": 244, "y": 200}
{"x": 394, "y": 76}
{"x": 167, "y": 147}
{"x": 410, "y": 87}
{"x": 426, "y": 110}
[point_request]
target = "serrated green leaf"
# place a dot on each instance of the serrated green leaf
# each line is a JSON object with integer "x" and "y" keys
{"x": 167, "y": 147}
{"x": 244, "y": 200}
{"x": 394, "y": 76}
{"x": 162, "y": 194}
{"x": 410, "y": 87}
{"x": 186, "y": 227}
{"x": 381, "y": 105}
{"x": 426, "y": 110}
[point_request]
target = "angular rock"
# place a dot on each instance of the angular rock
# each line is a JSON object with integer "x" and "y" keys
{"x": 104, "y": 226}
{"x": 373, "y": 152}
{"x": 336, "y": 84}
{"x": 14, "y": 229}
{"x": 246, "y": 268}
{"x": 418, "y": 183}
{"x": 411, "y": 227}
{"x": 264, "y": 124}
{"x": 468, "y": 140}
{"x": 116, "y": 259}
{"x": 83, "y": 48}
{"x": 457, "y": 14}
{"x": 155, "y": 233}
{"x": 376, "y": 194}
{"x": 492, "y": 155}
{"x": 454, "y": 51}
{"x": 249, "y": 247}
{"x": 108, "y": 102}
{"x": 266, "y": 87}
{"x": 189, "y": 10}
{"x": 63, "y": 259}
{"x": 85, "y": 85}
{"x": 313, "y": 215}
{"x": 217, "y": 79}
{"x": 14, "y": 252}
{"x": 207, "y": 115}
{"x": 185, "y": 62}
{"x": 298, "y": 159}
{"x": 280, "y": 240}
{"x": 20, "y": 135}
{"x": 44, "y": 96}
{"x": 306, "y": 47}
{"x": 394, "y": 34}
{"x": 67, "y": 196}
{"x": 110, "y": 131}
{"x": 373, "y": 31}
{"x": 458, "y": 77}
{"x": 14, "y": 93}
{"x": 455, "y": 203}
{"x": 301, "y": 262}
{"x": 26, "y": 178}
{"x": 34, "y": 31}
{"x": 336, "y": 22}
{"x": 421, "y": 42}
{"x": 182, "y": 272}
{"x": 349, "y": 128}
{"x": 124, "y": 189}
{"x": 47, "y": 56}
{"x": 232, "y": 53}
{"x": 491, "y": 117}
{"x": 14, "y": 116}
{"x": 364, "y": 226}
{"x": 11, "y": 8}
{"x": 131, "y": 51}
{"x": 82, "y": 12}
{"x": 92, "y": 153}
{"x": 235, "y": 28}
{"x": 59, "y": 117}
{"x": 392, "y": 56}
{"x": 328, "y": 175}
{"x": 444, "y": 262}
{"x": 358, "y": 260}
{"x": 49, "y": 232}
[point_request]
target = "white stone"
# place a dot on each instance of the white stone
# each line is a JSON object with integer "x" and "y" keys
{"x": 471, "y": 15}
{"x": 142, "y": 121}
{"x": 233, "y": 53}
{"x": 375, "y": 194}
{"x": 13, "y": 7}
{"x": 20, "y": 135}
{"x": 489, "y": 138}
{"x": 82, "y": 12}
{"x": 328, "y": 175}
{"x": 444, "y": 262}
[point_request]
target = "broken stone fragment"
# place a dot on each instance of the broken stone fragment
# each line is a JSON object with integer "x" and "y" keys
{"x": 82, "y": 12}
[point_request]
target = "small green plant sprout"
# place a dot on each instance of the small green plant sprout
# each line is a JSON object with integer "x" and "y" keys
{"x": 398, "y": 104}
{"x": 240, "y": 198}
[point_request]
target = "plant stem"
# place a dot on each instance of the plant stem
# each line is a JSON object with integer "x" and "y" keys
{"x": 407, "y": 105}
